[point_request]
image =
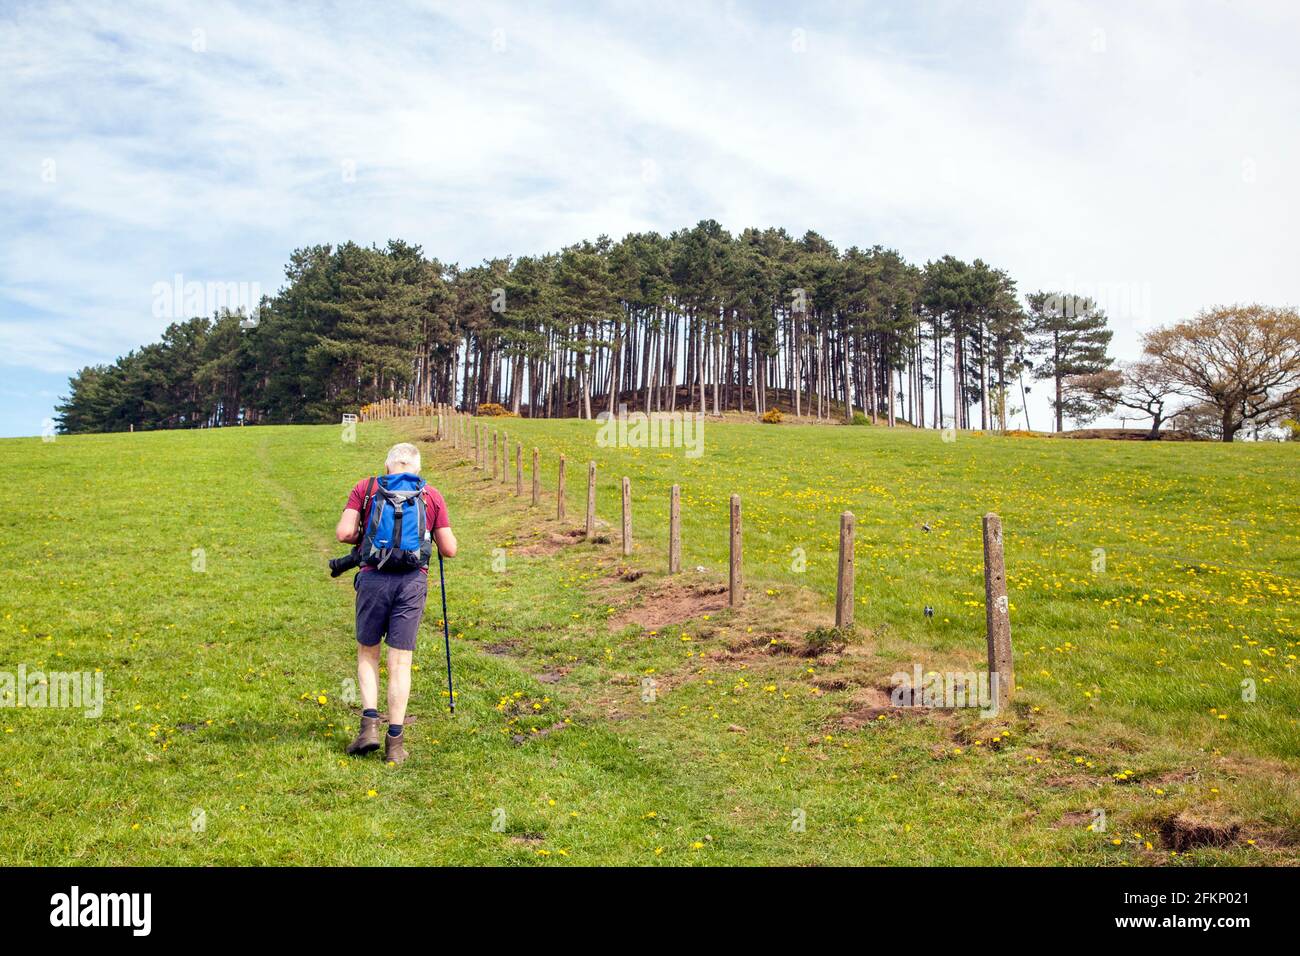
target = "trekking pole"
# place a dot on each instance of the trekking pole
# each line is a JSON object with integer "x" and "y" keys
{"x": 446, "y": 634}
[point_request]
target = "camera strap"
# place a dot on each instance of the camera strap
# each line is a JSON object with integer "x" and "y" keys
{"x": 365, "y": 512}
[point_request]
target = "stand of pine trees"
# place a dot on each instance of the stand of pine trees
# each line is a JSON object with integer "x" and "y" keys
{"x": 699, "y": 320}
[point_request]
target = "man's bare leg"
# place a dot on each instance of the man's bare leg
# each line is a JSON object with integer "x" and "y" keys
{"x": 399, "y": 684}
{"x": 368, "y": 675}
{"x": 399, "y": 689}
{"x": 367, "y": 738}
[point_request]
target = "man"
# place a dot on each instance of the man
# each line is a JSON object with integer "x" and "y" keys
{"x": 390, "y": 605}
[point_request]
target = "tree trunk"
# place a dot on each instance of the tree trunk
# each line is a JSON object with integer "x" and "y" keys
{"x": 1229, "y": 428}
{"x": 1056, "y": 374}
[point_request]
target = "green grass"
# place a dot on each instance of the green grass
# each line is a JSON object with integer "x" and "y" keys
{"x": 213, "y": 677}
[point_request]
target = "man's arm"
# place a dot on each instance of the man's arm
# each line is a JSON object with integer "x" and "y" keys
{"x": 446, "y": 542}
{"x": 348, "y": 529}
{"x": 442, "y": 533}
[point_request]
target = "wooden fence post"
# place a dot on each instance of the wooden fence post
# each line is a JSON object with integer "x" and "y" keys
{"x": 537, "y": 482}
{"x": 477, "y": 446}
{"x": 559, "y": 491}
{"x": 505, "y": 458}
{"x": 591, "y": 500}
{"x": 627, "y": 515}
{"x": 844, "y": 582}
{"x": 675, "y": 530}
{"x": 997, "y": 613}
{"x": 737, "y": 589}
{"x": 519, "y": 469}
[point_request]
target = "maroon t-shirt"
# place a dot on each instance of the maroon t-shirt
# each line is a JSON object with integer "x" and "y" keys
{"x": 435, "y": 509}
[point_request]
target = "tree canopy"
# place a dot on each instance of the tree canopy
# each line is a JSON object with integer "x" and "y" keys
{"x": 1242, "y": 361}
{"x": 698, "y": 319}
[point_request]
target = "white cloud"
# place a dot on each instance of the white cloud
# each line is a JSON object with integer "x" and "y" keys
{"x": 1099, "y": 144}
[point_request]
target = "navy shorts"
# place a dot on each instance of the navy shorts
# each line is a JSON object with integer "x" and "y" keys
{"x": 390, "y": 605}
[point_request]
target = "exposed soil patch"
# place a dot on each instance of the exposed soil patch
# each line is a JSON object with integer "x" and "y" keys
{"x": 659, "y": 684}
{"x": 610, "y": 708}
{"x": 1075, "y": 818}
{"x": 671, "y": 603}
{"x": 902, "y": 695}
{"x": 984, "y": 734}
{"x": 551, "y": 677}
{"x": 521, "y": 739}
{"x": 751, "y": 647}
{"x": 803, "y": 647}
{"x": 543, "y": 544}
{"x": 870, "y": 705}
{"x": 1128, "y": 434}
{"x": 503, "y": 649}
{"x": 1182, "y": 833}
{"x": 578, "y": 535}
{"x": 623, "y": 572}
{"x": 831, "y": 683}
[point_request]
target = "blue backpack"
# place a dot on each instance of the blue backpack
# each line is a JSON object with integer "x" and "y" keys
{"x": 395, "y": 537}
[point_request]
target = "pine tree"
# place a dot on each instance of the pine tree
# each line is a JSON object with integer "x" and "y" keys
{"x": 1068, "y": 332}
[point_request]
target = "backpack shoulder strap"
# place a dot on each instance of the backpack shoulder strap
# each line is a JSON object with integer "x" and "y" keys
{"x": 422, "y": 509}
{"x": 427, "y": 498}
{"x": 365, "y": 507}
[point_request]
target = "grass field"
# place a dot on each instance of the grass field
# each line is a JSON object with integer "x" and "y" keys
{"x": 188, "y": 568}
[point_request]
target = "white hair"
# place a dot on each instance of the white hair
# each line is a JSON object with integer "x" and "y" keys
{"x": 403, "y": 457}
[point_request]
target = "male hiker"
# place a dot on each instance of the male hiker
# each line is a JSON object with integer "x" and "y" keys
{"x": 383, "y": 517}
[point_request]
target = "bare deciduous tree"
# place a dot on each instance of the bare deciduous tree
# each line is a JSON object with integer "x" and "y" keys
{"x": 1140, "y": 386}
{"x": 1242, "y": 359}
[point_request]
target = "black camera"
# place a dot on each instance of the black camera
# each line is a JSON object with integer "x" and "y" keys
{"x": 346, "y": 563}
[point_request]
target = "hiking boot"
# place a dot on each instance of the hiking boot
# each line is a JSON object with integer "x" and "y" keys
{"x": 367, "y": 737}
{"x": 395, "y": 748}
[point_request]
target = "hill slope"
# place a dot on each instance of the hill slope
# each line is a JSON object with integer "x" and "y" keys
{"x": 595, "y": 726}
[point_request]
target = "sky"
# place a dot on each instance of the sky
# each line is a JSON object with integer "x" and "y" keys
{"x": 1142, "y": 153}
